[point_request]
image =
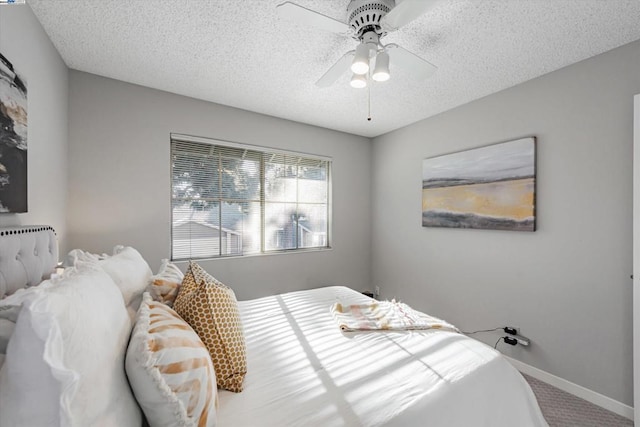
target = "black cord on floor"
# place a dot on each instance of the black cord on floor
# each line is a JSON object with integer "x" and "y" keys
{"x": 482, "y": 330}
{"x": 496, "y": 346}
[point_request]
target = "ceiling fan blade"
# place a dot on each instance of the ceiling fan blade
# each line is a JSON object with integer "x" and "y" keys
{"x": 336, "y": 70}
{"x": 404, "y": 13}
{"x": 418, "y": 67}
{"x": 304, "y": 16}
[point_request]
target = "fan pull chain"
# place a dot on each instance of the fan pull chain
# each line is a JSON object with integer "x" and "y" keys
{"x": 369, "y": 95}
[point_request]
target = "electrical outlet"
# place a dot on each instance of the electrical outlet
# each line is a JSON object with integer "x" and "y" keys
{"x": 511, "y": 330}
{"x": 377, "y": 292}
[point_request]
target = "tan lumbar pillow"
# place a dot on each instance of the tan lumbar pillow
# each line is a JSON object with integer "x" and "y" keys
{"x": 211, "y": 309}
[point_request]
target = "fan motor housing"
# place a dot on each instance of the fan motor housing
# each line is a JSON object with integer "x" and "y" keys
{"x": 365, "y": 15}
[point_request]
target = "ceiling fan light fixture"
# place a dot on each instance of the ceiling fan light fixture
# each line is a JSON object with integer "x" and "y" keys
{"x": 358, "y": 81}
{"x": 381, "y": 70}
{"x": 360, "y": 64}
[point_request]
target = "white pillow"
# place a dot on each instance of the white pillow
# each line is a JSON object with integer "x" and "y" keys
{"x": 130, "y": 272}
{"x": 16, "y": 298}
{"x": 170, "y": 369}
{"x": 6, "y": 330}
{"x": 126, "y": 267}
{"x": 76, "y": 255}
{"x": 9, "y": 312}
{"x": 64, "y": 362}
{"x": 10, "y": 308}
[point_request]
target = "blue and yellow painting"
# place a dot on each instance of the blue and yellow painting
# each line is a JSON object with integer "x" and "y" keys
{"x": 492, "y": 187}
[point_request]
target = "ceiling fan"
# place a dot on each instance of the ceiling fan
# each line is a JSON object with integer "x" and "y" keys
{"x": 368, "y": 21}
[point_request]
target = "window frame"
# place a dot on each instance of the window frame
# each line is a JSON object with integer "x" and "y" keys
{"x": 177, "y": 137}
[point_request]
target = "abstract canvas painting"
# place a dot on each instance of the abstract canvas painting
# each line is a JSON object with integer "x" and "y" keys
{"x": 492, "y": 187}
{"x": 13, "y": 139}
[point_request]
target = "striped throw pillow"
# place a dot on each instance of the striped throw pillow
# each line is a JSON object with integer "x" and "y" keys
{"x": 212, "y": 310}
{"x": 170, "y": 370}
{"x": 165, "y": 285}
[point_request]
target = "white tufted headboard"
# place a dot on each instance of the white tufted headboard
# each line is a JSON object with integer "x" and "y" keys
{"x": 28, "y": 255}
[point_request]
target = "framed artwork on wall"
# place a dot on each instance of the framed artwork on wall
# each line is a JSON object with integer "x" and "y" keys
{"x": 491, "y": 187}
{"x": 13, "y": 139}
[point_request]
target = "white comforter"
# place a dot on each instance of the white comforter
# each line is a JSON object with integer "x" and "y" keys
{"x": 303, "y": 371}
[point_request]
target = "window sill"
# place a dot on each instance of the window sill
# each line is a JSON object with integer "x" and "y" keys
{"x": 270, "y": 253}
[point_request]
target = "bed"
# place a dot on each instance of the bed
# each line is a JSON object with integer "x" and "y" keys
{"x": 301, "y": 364}
{"x": 302, "y": 370}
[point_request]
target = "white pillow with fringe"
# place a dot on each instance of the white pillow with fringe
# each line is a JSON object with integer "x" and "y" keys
{"x": 170, "y": 369}
{"x": 64, "y": 362}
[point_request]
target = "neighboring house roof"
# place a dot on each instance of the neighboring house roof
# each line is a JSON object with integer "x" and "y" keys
{"x": 231, "y": 215}
{"x": 206, "y": 224}
{"x": 210, "y": 217}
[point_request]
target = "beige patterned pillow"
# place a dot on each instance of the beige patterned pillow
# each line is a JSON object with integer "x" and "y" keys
{"x": 170, "y": 370}
{"x": 165, "y": 285}
{"x": 212, "y": 310}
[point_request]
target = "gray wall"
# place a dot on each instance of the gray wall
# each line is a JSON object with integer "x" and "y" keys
{"x": 26, "y": 45}
{"x": 119, "y": 182}
{"x": 566, "y": 285}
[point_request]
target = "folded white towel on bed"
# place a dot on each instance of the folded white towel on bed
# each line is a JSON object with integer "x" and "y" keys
{"x": 385, "y": 316}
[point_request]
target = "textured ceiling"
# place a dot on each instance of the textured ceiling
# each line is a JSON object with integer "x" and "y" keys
{"x": 242, "y": 54}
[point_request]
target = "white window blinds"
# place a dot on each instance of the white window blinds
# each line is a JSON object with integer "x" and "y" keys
{"x": 230, "y": 200}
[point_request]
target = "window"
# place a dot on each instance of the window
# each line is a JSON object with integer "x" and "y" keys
{"x": 230, "y": 199}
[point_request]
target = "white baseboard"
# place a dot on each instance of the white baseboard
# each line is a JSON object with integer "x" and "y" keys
{"x": 575, "y": 389}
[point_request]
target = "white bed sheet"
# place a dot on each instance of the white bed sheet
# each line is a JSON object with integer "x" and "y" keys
{"x": 303, "y": 371}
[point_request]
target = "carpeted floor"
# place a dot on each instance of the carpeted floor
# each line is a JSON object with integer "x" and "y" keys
{"x": 562, "y": 409}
